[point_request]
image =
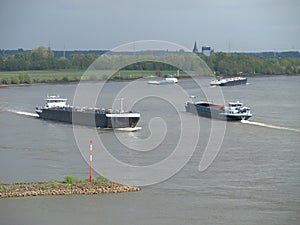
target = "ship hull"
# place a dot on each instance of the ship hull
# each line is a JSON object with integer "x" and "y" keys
{"x": 213, "y": 113}
{"x": 229, "y": 82}
{"x": 100, "y": 119}
{"x": 235, "y": 82}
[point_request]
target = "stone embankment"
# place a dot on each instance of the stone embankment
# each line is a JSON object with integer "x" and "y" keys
{"x": 61, "y": 188}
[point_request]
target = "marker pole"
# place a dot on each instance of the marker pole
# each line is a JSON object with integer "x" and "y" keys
{"x": 91, "y": 159}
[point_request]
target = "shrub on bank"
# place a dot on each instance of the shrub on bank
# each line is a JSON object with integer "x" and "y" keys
{"x": 24, "y": 78}
{"x": 14, "y": 80}
{"x": 102, "y": 179}
{"x": 5, "y": 81}
{"x": 71, "y": 180}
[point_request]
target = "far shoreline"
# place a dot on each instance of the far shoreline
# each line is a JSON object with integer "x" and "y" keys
{"x": 141, "y": 78}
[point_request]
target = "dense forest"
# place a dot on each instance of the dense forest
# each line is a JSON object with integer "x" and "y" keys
{"x": 43, "y": 58}
{"x": 230, "y": 64}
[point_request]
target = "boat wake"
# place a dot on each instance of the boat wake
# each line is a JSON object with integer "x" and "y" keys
{"x": 269, "y": 125}
{"x": 24, "y": 113}
{"x": 126, "y": 129}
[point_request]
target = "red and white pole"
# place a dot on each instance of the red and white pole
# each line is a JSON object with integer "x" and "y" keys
{"x": 91, "y": 159}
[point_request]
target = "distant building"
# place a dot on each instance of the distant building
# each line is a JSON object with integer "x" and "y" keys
{"x": 207, "y": 50}
{"x": 195, "y": 49}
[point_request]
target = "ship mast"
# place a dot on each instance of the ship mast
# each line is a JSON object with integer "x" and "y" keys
{"x": 121, "y": 107}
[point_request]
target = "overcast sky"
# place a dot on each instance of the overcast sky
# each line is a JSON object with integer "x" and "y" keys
{"x": 235, "y": 25}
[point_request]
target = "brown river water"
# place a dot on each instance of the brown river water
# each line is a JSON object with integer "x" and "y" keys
{"x": 254, "y": 178}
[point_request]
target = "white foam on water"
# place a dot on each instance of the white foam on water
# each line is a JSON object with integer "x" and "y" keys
{"x": 24, "y": 113}
{"x": 128, "y": 129}
{"x": 269, "y": 125}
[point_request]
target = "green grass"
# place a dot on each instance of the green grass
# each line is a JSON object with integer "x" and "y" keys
{"x": 102, "y": 179}
{"x": 56, "y": 76}
{"x": 5, "y": 187}
{"x": 71, "y": 180}
{"x": 134, "y": 74}
{"x": 68, "y": 180}
{"x": 43, "y": 76}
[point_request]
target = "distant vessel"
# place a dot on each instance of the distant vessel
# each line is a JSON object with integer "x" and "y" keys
{"x": 235, "y": 111}
{"x": 57, "y": 109}
{"x": 230, "y": 81}
{"x": 168, "y": 80}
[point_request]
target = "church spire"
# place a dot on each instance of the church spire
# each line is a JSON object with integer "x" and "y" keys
{"x": 195, "y": 49}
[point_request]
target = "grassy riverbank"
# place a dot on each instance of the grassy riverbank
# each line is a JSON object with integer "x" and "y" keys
{"x": 39, "y": 76}
{"x": 69, "y": 186}
{"x": 63, "y": 76}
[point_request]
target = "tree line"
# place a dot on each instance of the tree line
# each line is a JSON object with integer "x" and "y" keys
{"x": 231, "y": 64}
{"x": 43, "y": 58}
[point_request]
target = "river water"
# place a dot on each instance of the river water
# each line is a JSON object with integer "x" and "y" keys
{"x": 254, "y": 178}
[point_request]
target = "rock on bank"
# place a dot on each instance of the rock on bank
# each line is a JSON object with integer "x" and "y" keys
{"x": 62, "y": 188}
